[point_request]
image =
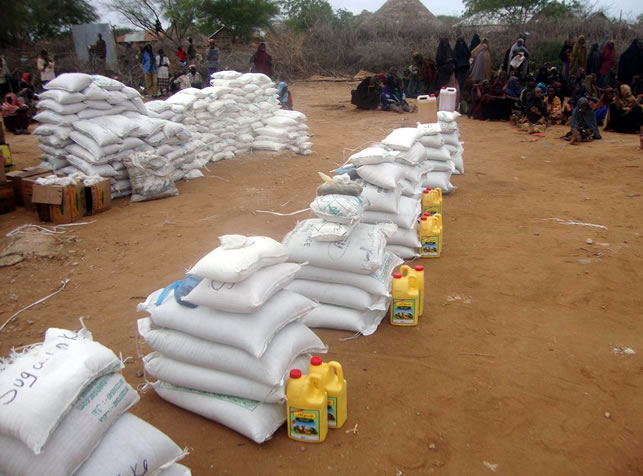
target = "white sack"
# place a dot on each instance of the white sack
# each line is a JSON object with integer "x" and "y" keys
{"x": 403, "y": 252}
{"x": 402, "y": 138}
{"x": 361, "y": 252}
{"x": 238, "y": 257}
{"x": 336, "y": 317}
{"x": 370, "y": 156}
{"x": 408, "y": 214}
{"x": 338, "y": 294}
{"x": 94, "y": 411}
{"x": 344, "y": 209}
{"x": 385, "y": 175}
{"x": 329, "y": 231}
{"x": 70, "y": 82}
{"x": 381, "y": 199}
{"x": 32, "y": 400}
{"x": 130, "y": 447}
{"x": 293, "y": 340}
{"x": 246, "y": 296}
{"x": 254, "y": 420}
{"x": 250, "y": 332}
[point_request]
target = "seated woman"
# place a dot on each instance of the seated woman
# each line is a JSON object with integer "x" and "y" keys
{"x": 479, "y": 90}
{"x": 568, "y": 108}
{"x": 285, "y": 98}
{"x": 603, "y": 105}
{"x": 15, "y": 114}
{"x": 494, "y": 105}
{"x": 393, "y": 98}
{"x": 583, "y": 126}
{"x": 535, "y": 113}
{"x": 554, "y": 107}
{"x": 367, "y": 94}
{"x": 624, "y": 113}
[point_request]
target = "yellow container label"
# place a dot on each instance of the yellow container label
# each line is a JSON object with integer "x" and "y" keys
{"x": 432, "y": 209}
{"x": 332, "y": 412}
{"x": 304, "y": 424}
{"x": 430, "y": 246}
{"x": 403, "y": 312}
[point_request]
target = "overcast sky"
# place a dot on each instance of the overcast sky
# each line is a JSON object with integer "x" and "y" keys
{"x": 629, "y": 8}
{"x": 455, "y": 7}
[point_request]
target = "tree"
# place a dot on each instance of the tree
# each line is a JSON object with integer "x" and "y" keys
{"x": 519, "y": 12}
{"x": 29, "y": 21}
{"x": 243, "y": 17}
{"x": 147, "y": 15}
{"x": 302, "y": 14}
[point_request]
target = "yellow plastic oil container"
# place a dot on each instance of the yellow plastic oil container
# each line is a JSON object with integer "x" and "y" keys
{"x": 307, "y": 410}
{"x": 427, "y": 109}
{"x": 432, "y": 201}
{"x": 430, "y": 232}
{"x": 332, "y": 378}
{"x": 404, "y": 305}
{"x": 418, "y": 272}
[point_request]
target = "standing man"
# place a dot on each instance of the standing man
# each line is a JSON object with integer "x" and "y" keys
{"x": 45, "y": 67}
{"x": 191, "y": 50}
{"x": 100, "y": 49}
{"x": 212, "y": 57}
{"x": 150, "y": 70}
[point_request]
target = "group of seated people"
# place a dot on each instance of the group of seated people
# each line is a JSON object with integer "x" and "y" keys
{"x": 534, "y": 103}
{"x": 386, "y": 91}
{"x": 19, "y": 108}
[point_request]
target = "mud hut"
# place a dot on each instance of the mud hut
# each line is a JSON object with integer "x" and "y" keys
{"x": 401, "y": 17}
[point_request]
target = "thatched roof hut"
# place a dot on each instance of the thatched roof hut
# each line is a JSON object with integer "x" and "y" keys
{"x": 399, "y": 16}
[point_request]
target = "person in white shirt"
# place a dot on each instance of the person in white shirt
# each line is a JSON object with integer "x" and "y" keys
{"x": 163, "y": 74}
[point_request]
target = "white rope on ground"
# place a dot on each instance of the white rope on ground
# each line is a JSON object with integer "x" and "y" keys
{"x": 283, "y": 214}
{"x": 571, "y": 222}
{"x": 12, "y": 318}
{"x": 45, "y": 230}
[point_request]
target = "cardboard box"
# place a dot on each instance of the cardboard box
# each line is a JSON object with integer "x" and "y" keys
{"x": 26, "y": 190}
{"x": 60, "y": 204}
{"x": 99, "y": 197}
{"x": 17, "y": 176}
{"x": 7, "y": 198}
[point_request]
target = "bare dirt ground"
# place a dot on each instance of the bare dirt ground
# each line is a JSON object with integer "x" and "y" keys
{"x": 517, "y": 362}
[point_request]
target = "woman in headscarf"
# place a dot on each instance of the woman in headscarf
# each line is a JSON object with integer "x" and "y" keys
{"x": 26, "y": 83}
{"x": 519, "y": 47}
{"x": 163, "y": 68}
{"x": 479, "y": 91}
{"x": 15, "y": 114}
{"x": 535, "y": 113}
{"x": 262, "y": 61}
{"x": 285, "y": 98}
{"x": 579, "y": 55}
{"x": 462, "y": 55}
{"x": 583, "y": 126}
{"x": 417, "y": 77}
{"x": 475, "y": 41}
{"x": 631, "y": 62}
{"x": 565, "y": 57}
{"x": 494, "y": 104}
{"x": 554, "y": 107}
{"x": 608, "y": 61}
{"x": 624, "y": 113}
{"x": 481, "y": 68}
{"x": 579, "y": 93}
{"x": 603, "y": 105}
{"x": 593, "y": 60}
{"x": 445, "y": 62}
{"x": 592, "y": 90}
{"x": 367, "y": 94}
{"x": 392, "y": 97}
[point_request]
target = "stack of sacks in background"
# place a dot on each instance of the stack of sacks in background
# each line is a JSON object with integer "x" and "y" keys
{"x": 238, "y": 113}
{"x": 348, "y": 270}
{"x": 90, "y": 123}
{"x": 439, "y": 158}
{"x": 391, "y": 173}
{"x": 225, "y": 338}
{"x": 63, "y": 405}
{"x": 451, "y": 137}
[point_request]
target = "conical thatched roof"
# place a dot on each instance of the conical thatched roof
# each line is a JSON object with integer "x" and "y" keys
{"x": 401, "y": 15}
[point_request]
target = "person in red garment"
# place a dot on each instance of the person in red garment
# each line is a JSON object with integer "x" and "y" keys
{"x": 262, "y": 61}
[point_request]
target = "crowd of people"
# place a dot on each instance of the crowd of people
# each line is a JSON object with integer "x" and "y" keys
{"x": 161, "y": 77}
{"x": 160, "y": 82}
{"x": 588, "y": 91}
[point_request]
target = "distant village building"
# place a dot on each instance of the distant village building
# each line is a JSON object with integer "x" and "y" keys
{"x": 401, "y": 16}
{"x": 136, "y": 38}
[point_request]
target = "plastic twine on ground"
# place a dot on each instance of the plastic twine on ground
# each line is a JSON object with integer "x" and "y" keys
{"x": 12, "y": 318}
{"x": 572, "y": 222}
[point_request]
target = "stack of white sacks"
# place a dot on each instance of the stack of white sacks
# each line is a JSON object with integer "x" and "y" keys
{"x": 90, "y": 123}
{"x": 451, "y": 136}
{"x": 348, "y": 270}
{"x": 63, "y": 411}
{"x": 394, "y": 174}
{"x": 237, "y": 113}
{"x": 225, "y": 338}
